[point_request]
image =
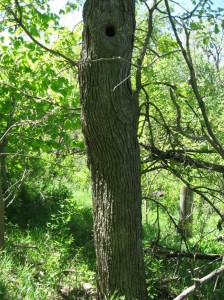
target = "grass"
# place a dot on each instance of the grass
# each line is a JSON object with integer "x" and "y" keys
{"x": 52, "y": 256}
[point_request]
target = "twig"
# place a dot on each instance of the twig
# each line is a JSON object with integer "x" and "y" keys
{"x": 27, "y": 247}
{"x": 121, "y": 82}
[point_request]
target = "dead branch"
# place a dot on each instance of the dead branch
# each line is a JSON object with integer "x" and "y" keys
{"x": 199, "y": 282}
{"x": 183, "y": 158}
{"x": 195, "y": 256}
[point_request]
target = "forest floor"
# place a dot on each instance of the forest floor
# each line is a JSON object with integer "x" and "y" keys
{"x": 49, "y": 253}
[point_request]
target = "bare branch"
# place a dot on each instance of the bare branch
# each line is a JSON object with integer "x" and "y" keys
{"x": 199, "y": 282}
{"x": 183, "y": 159}
{"x": 196, "y": 256}
{"x": 193, "y": 81}
{"x": 144, "y": 48}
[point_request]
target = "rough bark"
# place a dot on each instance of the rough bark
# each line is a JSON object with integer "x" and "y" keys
{"x": 109, "y": 120}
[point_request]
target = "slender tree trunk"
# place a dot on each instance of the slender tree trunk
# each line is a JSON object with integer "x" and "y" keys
{"x": 2, "y": 224}
{"x": 3, "y": 187}
{"x": 186, "y": 210}
{"x": 109, "y": 119}
{"x": 3, "y": 171}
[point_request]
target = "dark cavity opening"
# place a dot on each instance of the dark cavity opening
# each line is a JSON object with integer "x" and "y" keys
{"x": 110, "y": 30}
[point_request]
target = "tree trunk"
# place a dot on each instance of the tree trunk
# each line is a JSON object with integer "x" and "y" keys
{"x": 186, "y": 210}
{"x": 3, "y": 187}
{"x": 109, "y": 120}
{"x": 3, "y": 170}
{"x": 2, "y": 224}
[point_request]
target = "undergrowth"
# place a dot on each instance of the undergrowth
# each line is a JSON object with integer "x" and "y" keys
{"x": 49, "y": 251}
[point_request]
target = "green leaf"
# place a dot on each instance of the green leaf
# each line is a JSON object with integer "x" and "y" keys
{"x": 61, "y": 12}
{"x": 11, "y": 30}
{"x": 34, "y": 31}
{"x": 217, "y": 30}
{"x": 73, "y": 124}
{"x": 80, "y": 145}
{"x": 16, "y": 44}
{"x": 4, "y": 48}
{"x": 68, "y": 124}
{"x": 71, "y": 7}
{"x": 205, "y": 41}
{"x": 195, "y": 25}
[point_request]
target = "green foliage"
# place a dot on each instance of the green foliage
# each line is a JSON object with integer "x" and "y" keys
{"x": 114, "y": 297}
{"x": 29, "y": 201}
{"x": 72, "y": 220}
{"x": 49, "y": 244}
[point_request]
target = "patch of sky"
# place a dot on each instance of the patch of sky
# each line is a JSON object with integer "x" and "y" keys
{"x": 70, "y": 19}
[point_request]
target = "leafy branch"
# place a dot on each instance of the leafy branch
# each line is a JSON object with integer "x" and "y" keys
{"x": 19, "y": 20}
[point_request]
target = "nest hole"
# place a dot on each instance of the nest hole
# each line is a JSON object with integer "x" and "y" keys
{"x": 110, "y": 31}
